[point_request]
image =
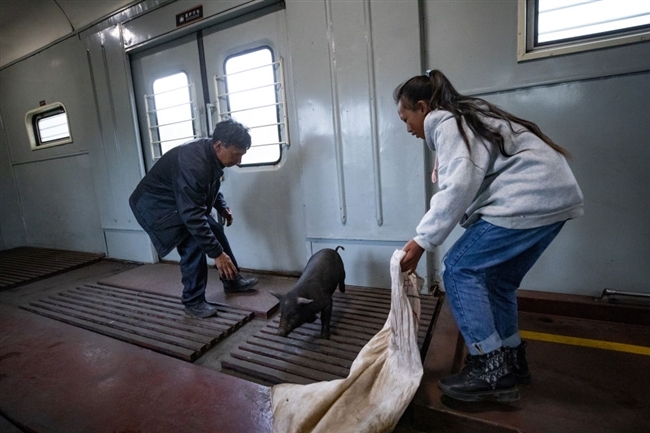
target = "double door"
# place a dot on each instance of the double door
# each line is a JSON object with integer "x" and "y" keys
{"x": 259, "y": 239}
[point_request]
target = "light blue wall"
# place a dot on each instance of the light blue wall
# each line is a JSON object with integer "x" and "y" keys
{"x": 49, "y": 200}
{"x": 351, "y": 158}
{"x": 12, "y": 230}
{"x": 593, "y": 103}
{"x": 343, "y": 180}
{"x": 363, "y": 177}
{"x": 117, "y": 156}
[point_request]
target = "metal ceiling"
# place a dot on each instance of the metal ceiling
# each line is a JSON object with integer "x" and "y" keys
{"x": 26, "y": 26}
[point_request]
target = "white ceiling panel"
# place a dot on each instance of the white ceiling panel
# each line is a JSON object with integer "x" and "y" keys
{"x": 83, "y": 13}
{"x": 29, "y": 25}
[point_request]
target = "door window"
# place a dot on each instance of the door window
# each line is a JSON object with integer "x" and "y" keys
{"x": 251, "y": 91}
{"x": 170, "y": 113}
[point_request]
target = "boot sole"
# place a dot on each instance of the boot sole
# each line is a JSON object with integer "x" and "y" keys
{"x": 505, "y": 395}
{"x": 199, "y": 316}
{"x": 525, "y": 380}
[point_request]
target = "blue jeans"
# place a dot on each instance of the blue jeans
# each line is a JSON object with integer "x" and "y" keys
{"x": 483, "y": 271}
{"x": 194, "y": 266}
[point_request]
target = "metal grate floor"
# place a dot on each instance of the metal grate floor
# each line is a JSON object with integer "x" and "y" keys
{"x": 26, "y": 264}
{"x": 303, "y": 357}
{"x": 156, "y": 322}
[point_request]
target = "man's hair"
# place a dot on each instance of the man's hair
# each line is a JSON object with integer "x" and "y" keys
{"x": 232, "y": 133}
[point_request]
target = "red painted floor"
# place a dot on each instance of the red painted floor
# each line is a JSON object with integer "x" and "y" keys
{"x": 55, "y": 377}
{"x": 59, "y": 378}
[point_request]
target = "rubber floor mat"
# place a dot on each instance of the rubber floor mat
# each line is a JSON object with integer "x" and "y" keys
{"x": 303, "y": 357}
{"x": 27, "y": 264}
{"x": 157, "y": 322}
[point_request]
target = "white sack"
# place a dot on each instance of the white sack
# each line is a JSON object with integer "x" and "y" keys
{"x": 382, "y": 380}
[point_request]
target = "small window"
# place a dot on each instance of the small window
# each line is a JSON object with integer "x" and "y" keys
{"x": 170, "y": 113}
{"x": 553, "y": 27}
{"x": 252, "y": 92}
{"x": 48, "y": 126}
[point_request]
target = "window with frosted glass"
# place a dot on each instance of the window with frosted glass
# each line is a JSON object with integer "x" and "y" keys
{"x": 252, "y": 94}
{"x": 170, "y": 113}
{"x": 48, "y": 126}
{"x": 552, "y": 27}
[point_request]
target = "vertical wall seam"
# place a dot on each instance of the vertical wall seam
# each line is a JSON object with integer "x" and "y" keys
{"x": 431, "y": 262}
{"x": 374, "y": 132}
{"x": 111, "y": 107}
{"x": 93, "y": 84}
{"x": 336, "y": 111}
{"x": 21, "y": 208}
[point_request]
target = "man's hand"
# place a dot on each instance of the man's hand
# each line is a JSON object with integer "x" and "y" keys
{"x": 225, "y": 266}
{"x": 412, "y": 257}
{"x": 227, "y": 215}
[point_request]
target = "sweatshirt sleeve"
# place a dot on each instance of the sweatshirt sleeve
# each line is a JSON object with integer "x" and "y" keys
{"x": 459, "y": 180}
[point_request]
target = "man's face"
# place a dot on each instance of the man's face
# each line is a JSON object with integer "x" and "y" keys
{"x": 228, "y": 156}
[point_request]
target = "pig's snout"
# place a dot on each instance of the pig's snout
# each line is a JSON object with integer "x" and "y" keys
{"x": 284, "y": 327}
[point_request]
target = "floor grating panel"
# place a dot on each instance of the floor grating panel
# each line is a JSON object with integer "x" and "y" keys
{"x": 303, "y": 357}
{"x": 27, "y": 264}
{"x": 157, "y": 322}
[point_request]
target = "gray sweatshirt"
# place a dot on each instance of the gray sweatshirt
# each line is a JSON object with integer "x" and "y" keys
{"x": 532, "y": 188}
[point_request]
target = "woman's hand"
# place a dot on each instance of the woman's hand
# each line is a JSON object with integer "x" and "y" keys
{"x": 412, "y": 257}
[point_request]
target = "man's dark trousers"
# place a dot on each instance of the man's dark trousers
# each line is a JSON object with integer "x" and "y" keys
{"x": 194, "y": 267}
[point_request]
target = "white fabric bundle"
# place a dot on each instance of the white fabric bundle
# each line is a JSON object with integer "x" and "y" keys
{"x": 382, "y": 379}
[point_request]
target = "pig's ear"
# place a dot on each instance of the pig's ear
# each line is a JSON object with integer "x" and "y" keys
{"x": 302, "y": 300}
{"x": 275, "y": 294}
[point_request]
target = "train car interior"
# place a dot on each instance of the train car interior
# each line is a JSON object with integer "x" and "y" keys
{"x": 93, "y": 332}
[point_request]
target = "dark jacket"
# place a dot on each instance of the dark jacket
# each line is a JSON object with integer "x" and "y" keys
{"x": 176, "y": 196}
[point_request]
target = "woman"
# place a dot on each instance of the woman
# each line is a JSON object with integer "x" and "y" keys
{"x": 510, "y": 187}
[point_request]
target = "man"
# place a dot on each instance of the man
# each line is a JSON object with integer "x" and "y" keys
{"x": 173, "y": 204}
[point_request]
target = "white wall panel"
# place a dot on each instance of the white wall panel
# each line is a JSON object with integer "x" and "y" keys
{"x": 59, "y": 74}
{"x": 476, "y": 41}
{"x": 12, "y": 230}
{"x": 604, "y": 124}
{"x": 340, "y": 52}
{"x": 50, "y": 194}
{"x": 133, "y": 245}
{"x": 59, "y": 204}
{"x": 116, "y": 156}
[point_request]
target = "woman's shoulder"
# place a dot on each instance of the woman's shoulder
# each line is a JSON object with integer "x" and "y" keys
{"x": 436, "y": 117}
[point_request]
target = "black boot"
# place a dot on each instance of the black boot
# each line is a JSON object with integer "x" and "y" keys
{"x": 239, "y": 285}
{"x": 517, "y": 359}
{"x": 485, "y": 377}
{"x": 201, "y": 310}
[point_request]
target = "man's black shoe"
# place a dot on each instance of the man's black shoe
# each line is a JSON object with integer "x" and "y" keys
{"x": 239, "y": 285}
{"x": 201, "y": 310}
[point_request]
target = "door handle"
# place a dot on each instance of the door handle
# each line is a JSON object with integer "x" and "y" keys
{"x": 210, "y": 109}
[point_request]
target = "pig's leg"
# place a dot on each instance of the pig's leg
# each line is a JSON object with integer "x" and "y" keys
{"x": 325, "y": 317}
